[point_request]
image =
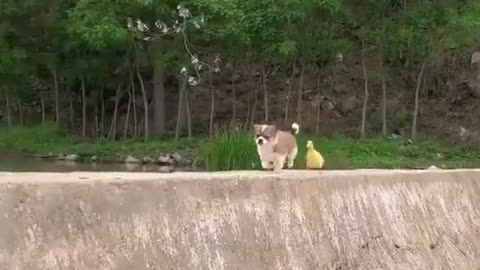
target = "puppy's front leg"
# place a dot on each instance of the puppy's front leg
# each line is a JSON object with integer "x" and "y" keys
{"x": 291, "y": 158}
{"x": 267, "y": 164}
{"x": 279, "y": 162}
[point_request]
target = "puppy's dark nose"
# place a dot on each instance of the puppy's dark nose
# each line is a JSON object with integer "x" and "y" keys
{"x": 260, "y": 142}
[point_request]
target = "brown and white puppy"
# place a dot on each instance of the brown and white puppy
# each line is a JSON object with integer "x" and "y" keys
{"x": 275, "y": 146}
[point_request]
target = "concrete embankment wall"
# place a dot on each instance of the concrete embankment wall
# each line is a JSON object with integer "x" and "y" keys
{"x": 241, "y": 220}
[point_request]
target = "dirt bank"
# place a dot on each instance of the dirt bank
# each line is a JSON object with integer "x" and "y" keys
{"x": 364, "y": 219}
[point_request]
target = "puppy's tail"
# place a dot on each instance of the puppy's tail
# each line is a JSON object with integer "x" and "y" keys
{"x": 295, "y": 128}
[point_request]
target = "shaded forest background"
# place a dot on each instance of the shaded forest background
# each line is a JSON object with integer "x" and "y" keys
{"x": 153, "y": 68}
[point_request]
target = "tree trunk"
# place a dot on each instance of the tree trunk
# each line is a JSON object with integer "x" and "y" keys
{"x": 317, "y": 124}
{"x": 417, "y": 96}
{"x": 57, "y": 105}
{"x": 96, "y": 118}
{"x": 142, "y": 121}
{"x": 134, "y": 104}
{"x": 181, "y": 93}
{"x": 212, "y": 105}
{"x": 145, "y": 103}
{"x": 159, "y": 102}
{"x": 234, "y": 98}
{"x": 188, "y": 112}
{"x": 300, "y": 92}
{"x": 265, "y": 92}
{"x": 70, "y": 104}
{"x": 318, "y": 103}
{"x": 384, "y": 99}
{"x": 102, "y": 111}
{"x": 42, "y": 107}
{"x": 249, "y": 109}
{"x": 289, "y": 93}
{"x": 9, "y": 112}
{"x": 113, "y": 126}
{"x": 155, "y": 51}
{"x": 84, "y": 108}
{"x": 20, "y": 111}
{"x": 254, "y": 106}
{"x": 384, "y": 108}
{"x": 365, "y": 97}
{"x": 127, "y": 117}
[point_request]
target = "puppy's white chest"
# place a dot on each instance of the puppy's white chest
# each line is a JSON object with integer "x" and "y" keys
{"x": 265, "y": 151}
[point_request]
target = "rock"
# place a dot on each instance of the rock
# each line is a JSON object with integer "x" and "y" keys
{"x": 72, "y": 157}
{"x": 472, "y": 87}
{"x": 165, "y": 169}
{"x": 433, "y": 167}
{"x": 454, "y": 115}
{"x": 180, "y": 159}
{"x": 339, "y": 58}
{"x": 93, "y": 158}
{"x": 177, "y": 157}
{"x": 464, "y": 133}
{"x": 131, "y": 159}
{"x": 60, "y": 157}
{"x": 148, "y": 159}
{"x": 70, "y": 163}
{"x": 475, "y": 58}
{"x": 327, "y": 105}
{"x": 165, "y": 160}
{"x": 348, "y": 105}
{"x": 236, "y": 77}
{"x": 132, "y": 166}
{"x": 340, "y": 88}
{"x": 395, "y": 136}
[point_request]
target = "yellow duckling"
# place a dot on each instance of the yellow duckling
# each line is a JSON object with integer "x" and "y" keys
{"x": 314, "y": 158}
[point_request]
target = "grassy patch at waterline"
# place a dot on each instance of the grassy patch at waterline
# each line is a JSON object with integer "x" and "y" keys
{"x": 236, "y": 150}
{"x": 49, "y": 139}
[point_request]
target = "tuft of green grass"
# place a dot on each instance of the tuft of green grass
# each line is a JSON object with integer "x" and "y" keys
{"x": 33, "y": 139}
{"x": 230, "y": 150}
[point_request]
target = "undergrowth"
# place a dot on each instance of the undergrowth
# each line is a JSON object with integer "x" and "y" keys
{"x": 236, "y": 150}
{"x": 52, "y": 140}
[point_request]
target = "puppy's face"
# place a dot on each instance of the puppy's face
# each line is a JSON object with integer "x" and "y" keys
{"x": 264, "y": 133}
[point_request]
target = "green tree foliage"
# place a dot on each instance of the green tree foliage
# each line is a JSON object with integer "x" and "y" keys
{"x": 82, "y": 47}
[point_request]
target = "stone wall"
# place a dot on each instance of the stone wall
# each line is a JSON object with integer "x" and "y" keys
{"x": 241, "y": 220}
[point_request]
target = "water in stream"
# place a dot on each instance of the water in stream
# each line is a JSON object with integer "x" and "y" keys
{"x": 15, "y": 162}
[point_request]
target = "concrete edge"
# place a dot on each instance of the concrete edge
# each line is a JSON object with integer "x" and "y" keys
{"x": 88, "y": 177}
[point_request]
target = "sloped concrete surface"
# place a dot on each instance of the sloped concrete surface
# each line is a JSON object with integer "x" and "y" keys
{"x": 362, "y": 219}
